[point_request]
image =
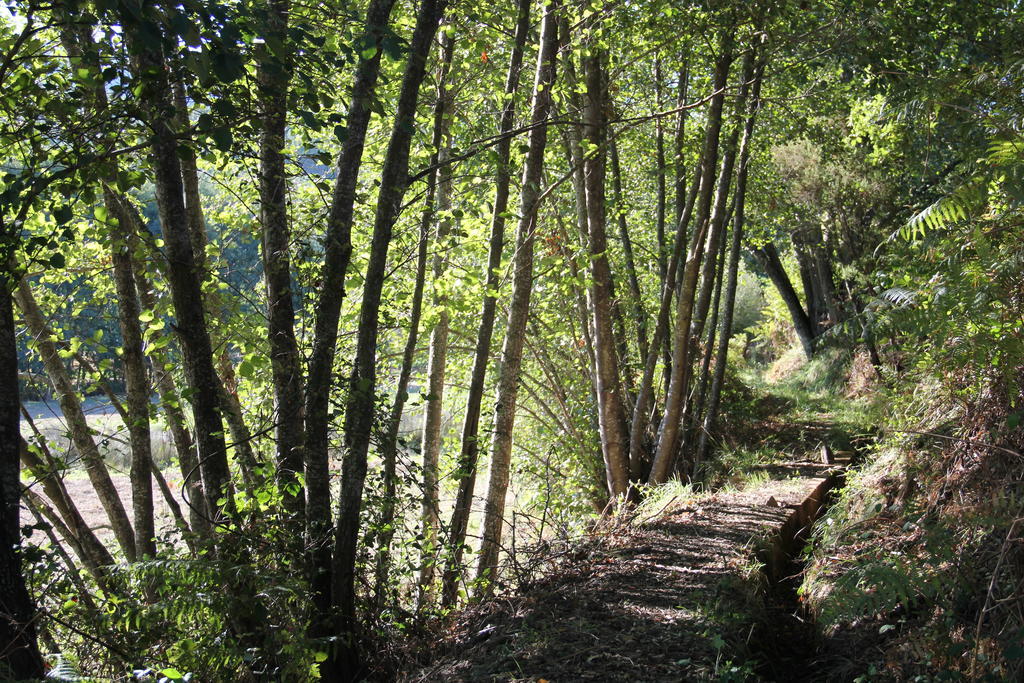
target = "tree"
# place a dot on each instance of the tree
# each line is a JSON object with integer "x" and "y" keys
{"x": 519, "y": 308}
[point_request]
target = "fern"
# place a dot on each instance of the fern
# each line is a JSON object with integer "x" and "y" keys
{"x": 63, "y": 670}
{"x": 945, "y": 211}
{"x": 899, "y": 296}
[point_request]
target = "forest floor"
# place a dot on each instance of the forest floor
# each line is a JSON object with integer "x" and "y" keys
{"x": 675, "y": 595}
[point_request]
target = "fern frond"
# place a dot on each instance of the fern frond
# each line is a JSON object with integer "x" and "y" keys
{"x": 899, "y": 296}
{"x": 947, "y": 210}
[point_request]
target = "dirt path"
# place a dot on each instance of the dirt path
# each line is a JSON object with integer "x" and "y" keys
{"x": 673, "y": 598}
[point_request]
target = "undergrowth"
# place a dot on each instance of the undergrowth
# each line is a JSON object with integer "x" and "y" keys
{"x": 921, "y": 560}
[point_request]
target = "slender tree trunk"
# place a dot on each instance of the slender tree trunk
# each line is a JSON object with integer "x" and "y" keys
{"x": 572, "y": 139}
{"x": 337, "y": 254}
{"x": 696, "y": 407}
{"x": 274, "y": 76}
{"x": 438, "y": 348}
{"x": 389, "y": 446}
{"x": 93, "y": 554}
{"x": 711, "y": 277}
{"x": 359, "y": 413}
{"x": 184, "y": 274}
{"x": 670, "y": 422}
{"x": 136, "y": 382}
{"x": 639, "y": 315}
{"x": 661, "y": 201}
{"x": 71, "y": 407}
{"x": 170, "y": 400}
{"x": 80, "y": 46}
{"x": 811, "y": 285}
{"x": 213, "y": 304}
{"x": 681, "y": 195}
{"x": 611, "y": 412}
{"x": 466, "y": 470}
{"x": 19, "y": 651}
{"x": 768, "y": 257}
{"x": 679, "y": 142}
{"x": 729, "y": 307}
{"x": 519, "y": 309}
{"x": 645, "y": 395}
{"x": 826, "y": 278}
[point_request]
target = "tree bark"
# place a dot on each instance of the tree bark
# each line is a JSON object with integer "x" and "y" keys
{"x": 19, "y": 651}
{"x": 466, "y": 469}
{"x": 665, "y": 453}
{"x": 274, "y": 76}
{"x": 697, "y": 403}
{"x": 661, "y": 200}
{"x": 389, "y": 446}
{"x": 768, "y": 257}
{"x": 170, "y": 400}
{"x": 611, "y": 412}
{"x": 136, "y": 382}
{"x": 679, "y": 142}
{"x": 337, "y": 254}
{"x": 710, "y": 277}
{"x": 81, "y": 48}
{"x": 645, "y": 395}
{"x": 359, "y": 413}
{"x": 184, "y": 274}
{"x": 519, "y": 309}
{"x": 729, "y": 306}
{"x": 639, "y": 314}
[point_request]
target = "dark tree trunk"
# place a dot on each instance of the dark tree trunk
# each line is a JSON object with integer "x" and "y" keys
{"x": 768, "y": 257}
{"x": 337, "y": 254}
{"x": 184, "y": 274}
{"x": 470, "y": 442}
{"x": 170, "y": 399}
{"x": 359, "y": 413}
{"x": 19, "y": 652}
{"x": 274, "y": 76}
{"x": 136, "y": 382}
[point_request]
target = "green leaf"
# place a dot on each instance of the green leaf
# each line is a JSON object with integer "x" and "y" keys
{"x": 222, "y": 138}
{"x": 62, "y": 214}
{"x": 172, "y": 674}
